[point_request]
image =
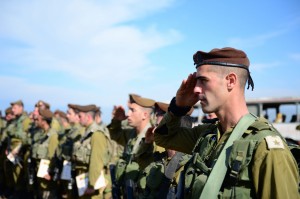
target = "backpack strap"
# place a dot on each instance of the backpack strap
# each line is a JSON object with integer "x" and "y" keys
{"x": 212, "y": 187}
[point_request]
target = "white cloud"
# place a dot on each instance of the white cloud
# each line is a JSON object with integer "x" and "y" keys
{"x": 92, "y": 42}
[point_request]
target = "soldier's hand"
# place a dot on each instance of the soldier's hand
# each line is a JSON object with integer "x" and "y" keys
{"x": 119, "y": 113}
{"x": 149, "y": 136}
{"x": 185, "y": 95}
{"x": 47, "y": 177}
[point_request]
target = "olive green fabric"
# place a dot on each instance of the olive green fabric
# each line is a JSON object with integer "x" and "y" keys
{"x": 90, "y": 153}
{"x": 270, "y": 168}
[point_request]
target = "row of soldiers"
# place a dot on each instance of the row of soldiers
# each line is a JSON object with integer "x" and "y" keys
{"x": 74, "y": 155}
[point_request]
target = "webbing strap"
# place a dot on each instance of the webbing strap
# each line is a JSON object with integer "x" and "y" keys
{"x": 215, "y": 179}
{"x": 172, "y": 166}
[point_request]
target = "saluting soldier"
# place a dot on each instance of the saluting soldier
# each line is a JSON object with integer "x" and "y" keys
{"x": 241, "y": 156}
{"x": 160, "y": 178}
{"x": 137, "y": 154}
{"x": 91, "y": 154}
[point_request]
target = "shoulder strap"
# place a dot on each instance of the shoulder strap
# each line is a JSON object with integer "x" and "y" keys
{"x": 173, "y": 164}
{"x": 212, "y": 187}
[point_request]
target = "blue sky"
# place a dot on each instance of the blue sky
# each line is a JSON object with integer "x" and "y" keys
{"x": 89, "y": 51}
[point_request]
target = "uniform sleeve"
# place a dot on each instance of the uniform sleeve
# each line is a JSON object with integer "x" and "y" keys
{"x": 98, "y": 151}
{"x": 170, "y": 135}
{"x": 121, "y": 136}
{"x": 53, "y": 143}
{"x": 275, "y": 173}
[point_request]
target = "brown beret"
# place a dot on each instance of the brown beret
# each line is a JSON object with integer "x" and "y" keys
{"x": 19, "y": 102}
{"x": 46, "y": 113}
{"x": 8, "y": 111}
{"x": 61, "y": 114}
{"x": 86, "y": 108}
{"x": 224, "y": 57}
{"x": 144, "y": 102}
{"x": 230, "y": 57}
{"x": 161, "y": 106}
{"x": 40, "y": 103}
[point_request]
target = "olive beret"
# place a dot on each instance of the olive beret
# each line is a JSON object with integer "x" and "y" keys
{"x": 41, "y": 102}
{"x": 46, "y": 113}
{"x": 19, "y": 102}
{"x": 86, "y": 108}
{"x": 228, "y": 56}
{"x": 61, "y": 114}
{"x": 144, "y": 102}
{"x": 8, "y": 111}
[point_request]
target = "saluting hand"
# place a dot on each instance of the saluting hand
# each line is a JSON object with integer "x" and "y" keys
{"x": 149, "y": 136}
{"x": 185, "y": 95}
{"x": 119, "y": 113}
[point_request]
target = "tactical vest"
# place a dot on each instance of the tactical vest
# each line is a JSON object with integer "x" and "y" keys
{"x": 40, "y": 147}
{"x": 66, "y": 148}
{"x": 126, "y": 164}
{"x": 82, "y": 148}
{"x": 238, "y": 182}
{"x": 19, "y": 127}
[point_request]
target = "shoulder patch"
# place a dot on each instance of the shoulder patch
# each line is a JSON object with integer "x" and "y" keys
{"x": 274, "y": 142}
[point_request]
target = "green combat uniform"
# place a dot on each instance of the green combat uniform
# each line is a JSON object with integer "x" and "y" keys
{"x": 17, "y": 137}
{"x": 91, "y": 156}
{"x": 44, "y": 148}
{"x": 260, "y": 163}
{"x": 155, "y": 184}
{"x": 137, "y": 155}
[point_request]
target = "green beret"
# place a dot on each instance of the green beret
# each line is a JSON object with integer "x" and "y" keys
{"x": 229, "y": 57}
{"x": 46, "y": 113}
{"x": 19, "y": 102}
{"x": 86, "y": 108}
{"x": 144, "y": 102}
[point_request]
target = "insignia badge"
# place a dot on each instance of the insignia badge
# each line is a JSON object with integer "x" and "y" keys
{"x": 274, "y": 142}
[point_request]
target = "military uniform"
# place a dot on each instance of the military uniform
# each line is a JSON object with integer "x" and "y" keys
{"x": 18, "y": 141}
{"x": 44, "y": 148}
{"x": 90, "y": 155}
{"x": 271, "y": 164}
{"x": 64, "y": 153}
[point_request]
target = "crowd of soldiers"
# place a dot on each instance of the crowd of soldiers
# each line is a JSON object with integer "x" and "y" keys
{"x": 44, "y": 154}
{"x": 152, "y": 151}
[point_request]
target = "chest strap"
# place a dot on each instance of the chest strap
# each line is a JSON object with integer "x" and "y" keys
{"x": 212, "y": 186}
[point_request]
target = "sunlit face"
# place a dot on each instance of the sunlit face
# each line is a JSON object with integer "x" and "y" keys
{"x": 71, "y": 115}
{"x": 17, "y": 109}
{"x": 38, "y": 121}
{"x": 83, "y": 118}
{"x": 211, "y": 89}
{"x": 135, "y": 115}
{"x": 9, "y": 117}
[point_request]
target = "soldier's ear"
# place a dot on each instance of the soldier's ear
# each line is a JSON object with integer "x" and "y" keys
{"x": 231, "y": 79}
